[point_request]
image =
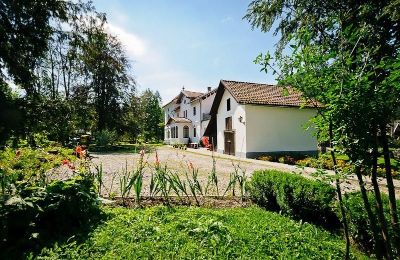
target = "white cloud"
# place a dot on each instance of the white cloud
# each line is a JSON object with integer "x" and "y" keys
{"x": 133, "y": 44}
{"x": 169, "y": 82}
{"x": 153, "y": 69}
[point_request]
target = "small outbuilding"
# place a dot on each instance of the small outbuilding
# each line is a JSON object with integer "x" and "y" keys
{"x": 252, "y": 119}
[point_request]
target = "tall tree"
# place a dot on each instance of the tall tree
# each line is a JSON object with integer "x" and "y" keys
{"x": 152, "y": 116}
{"x": 107, "y": 69}
{"x": 353, "y": 47}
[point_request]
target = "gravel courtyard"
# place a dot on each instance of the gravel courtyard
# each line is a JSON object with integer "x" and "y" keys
{"x": 114, "y": 165}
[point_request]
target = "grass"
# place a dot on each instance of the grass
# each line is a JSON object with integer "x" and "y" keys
{"x": 124, "y": 148}
{"x": 200, "y": 233}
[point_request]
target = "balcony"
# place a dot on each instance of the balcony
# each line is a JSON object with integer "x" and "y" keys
{"x": 205, "y": 117}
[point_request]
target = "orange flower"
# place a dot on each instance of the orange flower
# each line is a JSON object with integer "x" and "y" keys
{"x": 78, "y": 149}
{"x": 190, "y": 165}
{"x": 157, "y": 159}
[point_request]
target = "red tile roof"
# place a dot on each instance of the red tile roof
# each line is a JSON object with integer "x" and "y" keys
{"x": 264, "y": 94}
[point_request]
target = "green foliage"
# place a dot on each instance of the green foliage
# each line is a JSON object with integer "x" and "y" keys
{"x": 151, "y": 121}
{"x": 294, "y": 195}
{"x": 342, "y": 57}
{"x": 26, "y": 164}
{"x": 359, "y": 224}
{"x": 9, "y": 112}
{"x": 200, "y": 233}
{"x": 288, "y": 157}
{"x": 105, "y": 138}
{"x": 37, "y": 214}
{"x": 324, "y": 162}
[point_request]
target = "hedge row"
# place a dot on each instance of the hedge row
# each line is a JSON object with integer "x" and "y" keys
{"x": 295, "y": 196}
{"x": 314, "y": 201}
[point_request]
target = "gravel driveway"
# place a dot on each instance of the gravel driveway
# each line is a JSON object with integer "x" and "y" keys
{"x": 115, "y": 164}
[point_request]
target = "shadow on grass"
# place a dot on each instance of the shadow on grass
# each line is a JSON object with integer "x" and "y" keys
{"x": 21, "y": 247}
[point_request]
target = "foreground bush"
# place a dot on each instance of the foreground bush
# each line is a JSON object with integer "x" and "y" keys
{"x": 27, "y": 164}
{"x": 359, "y": 224}
{"x": 37, "y": 214}
{"x": 200, "y": 233}
{"x": 294, "y": 195}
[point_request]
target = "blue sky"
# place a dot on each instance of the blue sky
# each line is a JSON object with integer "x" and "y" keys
{"x": 193, "y": 43}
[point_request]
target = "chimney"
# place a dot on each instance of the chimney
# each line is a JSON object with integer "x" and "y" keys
{"x": 208, "y": 89}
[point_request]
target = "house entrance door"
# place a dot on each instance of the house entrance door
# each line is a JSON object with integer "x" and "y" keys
{"x": 229, "y": 142}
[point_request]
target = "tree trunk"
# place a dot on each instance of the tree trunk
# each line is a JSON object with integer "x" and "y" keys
{"x": 339, "y": 194}
{"x": 391, "y": 190}
{"x": 378, "y": 202}
{"x": 371, "y": 217}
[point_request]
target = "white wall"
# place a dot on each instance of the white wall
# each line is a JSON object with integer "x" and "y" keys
{"x": 169, "y": 111}
{"x": 180, "y": 139}
{"x": 186, "y": 105}
{"x": 275, "y": 129}
{"x": 207, "y": 103}
{"x": 240, "y": 129}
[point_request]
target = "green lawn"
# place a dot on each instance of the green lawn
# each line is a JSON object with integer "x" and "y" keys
{"x": 200, "y": 233}
{"x": 124, "y": 148}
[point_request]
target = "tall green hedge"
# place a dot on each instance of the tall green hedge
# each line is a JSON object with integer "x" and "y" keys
{"x": 294, "y": 195}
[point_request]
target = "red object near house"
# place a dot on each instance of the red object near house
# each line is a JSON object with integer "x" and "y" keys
{"x": 206, "y": 142}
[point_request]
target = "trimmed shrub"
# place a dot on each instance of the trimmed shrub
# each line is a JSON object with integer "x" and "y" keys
{"x": 294, "y": 195}
{"x": 359, "y": 225}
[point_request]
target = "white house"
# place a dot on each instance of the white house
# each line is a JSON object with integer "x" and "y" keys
{"x": 187, "y": 115}
{"x": 250, "y": 119}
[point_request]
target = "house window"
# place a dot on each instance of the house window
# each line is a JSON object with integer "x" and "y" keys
{"x": 185, "y": 131}
{"x": 228, "y": 104}
{"x": 176, "y": 132}
{"x": 194, "y": 131}
{"x": 228, "y": 123}
{"x": 194, "y": 111}
{"x": 185, "y": 114}
{"x": 168, "y": 134}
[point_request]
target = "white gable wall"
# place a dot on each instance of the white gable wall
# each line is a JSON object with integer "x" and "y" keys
{"x": 240, "y": 129}
{"x": 186, "y": 105}
{"x": 277, "y": 129}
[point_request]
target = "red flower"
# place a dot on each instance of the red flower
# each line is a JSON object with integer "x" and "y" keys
{"x": 65, "y": 162}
